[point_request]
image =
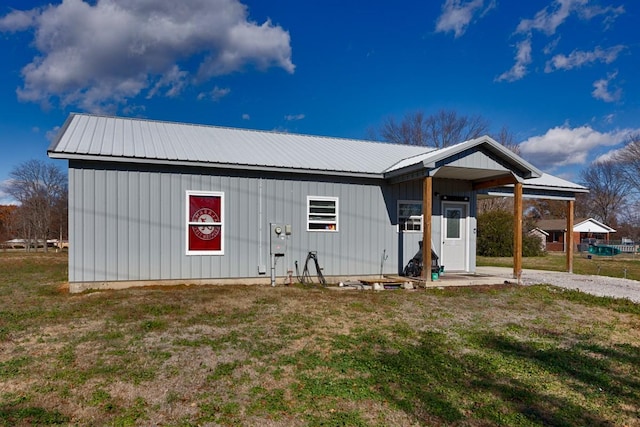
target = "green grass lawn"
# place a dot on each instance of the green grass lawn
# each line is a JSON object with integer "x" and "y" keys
{"x": 294, "y": 356}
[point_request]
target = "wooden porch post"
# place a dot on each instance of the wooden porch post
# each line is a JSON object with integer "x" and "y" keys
{"x": 517, "y": 231}
{"x": 569, "y": 240}
{"x": 427, "y": 208}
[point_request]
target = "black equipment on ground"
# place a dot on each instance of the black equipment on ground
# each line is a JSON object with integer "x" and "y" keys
{"x": 414, "y": 266}
{"x": 305, "y": 279}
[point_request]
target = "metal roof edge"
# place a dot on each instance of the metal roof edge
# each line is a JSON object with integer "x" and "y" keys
{"x": 551, "y": 188}
{"x": 232, "y": 166}
{"x": 525, "y": 195}
{"x": 403, "y": 171}
{"x": 61, "y": 131}
{"x": 392, "y": 172}
{"x": 573, "y": 187}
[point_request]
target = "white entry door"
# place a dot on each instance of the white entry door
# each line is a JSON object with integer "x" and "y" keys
{"x": 454, "y": 254}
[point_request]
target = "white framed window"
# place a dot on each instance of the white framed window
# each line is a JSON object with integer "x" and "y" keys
{"x": 410, "y": 215}
{"x": 205, "y": 222}
{"x": 322, "y": 213}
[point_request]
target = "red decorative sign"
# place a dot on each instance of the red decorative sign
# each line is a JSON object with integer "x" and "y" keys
{"x": 205, "y": 210}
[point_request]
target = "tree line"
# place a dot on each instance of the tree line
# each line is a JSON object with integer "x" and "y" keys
{"x": 40, "y": 188}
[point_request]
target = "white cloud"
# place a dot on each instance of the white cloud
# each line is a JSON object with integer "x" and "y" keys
{"x": 6, "y": 198}
{"x": 294, "y": 117}
{"x": 174, "y": 80}
{"x": 98, "y": 55}
{"x": 216, "y": 94}
{"x": 245, "y": 116}
{"x": 523, "y": 58}
{"x": 609, "y": 118}
{"x": 547, "y": 21}
{"x": 578, "y": 58}
{"x": 18, "y": 20}
{"x": 551, "y": 46}
{"x": 550, "y": 18}
{"x": 563, "y": 145}
{"x": 602, "y": 91}
{"x": 609, "y": 155}
{"x": 609, "y": 13}
{"x": 52, "y": 133}
{"x": 457, "y": 15}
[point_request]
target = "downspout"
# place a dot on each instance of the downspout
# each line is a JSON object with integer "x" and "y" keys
{"x": 260, "y": 260}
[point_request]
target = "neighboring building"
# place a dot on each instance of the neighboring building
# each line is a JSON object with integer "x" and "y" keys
{"x": 24, "y": 243}
{"x": 585, "y": 231}
{"x": 166, "y": 202}
{"x": 15, "y": 244}
{"x": 541, "y": 235}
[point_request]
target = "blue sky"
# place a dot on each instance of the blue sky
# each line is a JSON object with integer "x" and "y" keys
{"x": 562, "y": 75}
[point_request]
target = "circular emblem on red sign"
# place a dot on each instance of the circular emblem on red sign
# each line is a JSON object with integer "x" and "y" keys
{"x": 209, "y": 231}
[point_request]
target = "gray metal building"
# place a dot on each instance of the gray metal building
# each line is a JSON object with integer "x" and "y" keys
{"x": 167, "y": 202}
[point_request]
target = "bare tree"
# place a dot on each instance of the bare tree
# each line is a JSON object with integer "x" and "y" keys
{"x": 443, "y": 129}
{"x": 59, "y": 224}
{"x": 629, "y": 160}
{"x": 38, "y": 187}
{"x": 507, "y": 139}
{"x": 489, "y": 204}
{"x": 608, "y": 190}
{"x": 629, "y": 221}
{"x": 582, "y": 206}
{"x": 439, "y": 130}
{"x": 7, "y": 222}
{"x": 545, "y": 209}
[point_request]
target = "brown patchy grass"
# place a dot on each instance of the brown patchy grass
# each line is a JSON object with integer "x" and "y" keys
{"x": 294, "y": 356}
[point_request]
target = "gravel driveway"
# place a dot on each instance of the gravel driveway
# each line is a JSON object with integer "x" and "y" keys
{"x": 595, "y": 285}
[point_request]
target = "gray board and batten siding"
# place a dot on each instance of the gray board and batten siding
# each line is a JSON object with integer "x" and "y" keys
{"x": 127, "y": 224}
{"x": 129, "y": 178}
{"x": 127, "y": 186}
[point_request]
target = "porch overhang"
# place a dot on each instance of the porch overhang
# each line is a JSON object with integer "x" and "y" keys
{"x": 478, "y": 177}
{"x": 479, "y": 161}
{"x": 544, "y": 187}
{"x": 492, "y": 170}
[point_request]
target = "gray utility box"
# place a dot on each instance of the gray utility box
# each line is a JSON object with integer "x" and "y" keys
{"x": 278, "y": 240}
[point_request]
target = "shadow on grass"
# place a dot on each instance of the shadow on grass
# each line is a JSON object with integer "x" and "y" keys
{"x": 436, "y": 383}
{"x": 588, "y": 369}
{"x": 11, "y": 416}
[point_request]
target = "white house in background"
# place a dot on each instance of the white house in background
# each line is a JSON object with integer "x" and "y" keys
{"x": 173, "y": 203}
{"x": 584, "y": 229}
{"x": 541, "y": 235}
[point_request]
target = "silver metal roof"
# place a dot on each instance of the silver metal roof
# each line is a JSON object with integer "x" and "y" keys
{"x": 125, "y": 139}
{"x": 92, "y": 137}
{"x": 550, "y": 182}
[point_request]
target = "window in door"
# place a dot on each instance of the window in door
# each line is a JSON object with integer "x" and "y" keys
{"x": 453, "y": 220}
